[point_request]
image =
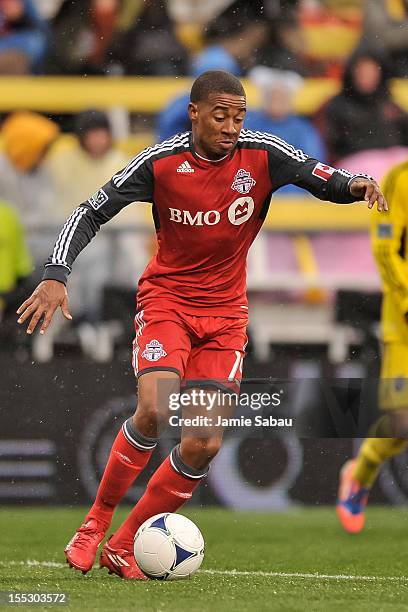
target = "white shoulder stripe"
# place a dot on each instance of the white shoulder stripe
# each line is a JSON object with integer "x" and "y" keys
{"x": 157, "y": 146}
{"x": 180, "y": 140}
{"x": 296, "y": 154}
{"x": 272, "y": 139}
{"x": 275, "y": 141}
{"x": 171, "y": 140}
{"x": 131, "y": 170}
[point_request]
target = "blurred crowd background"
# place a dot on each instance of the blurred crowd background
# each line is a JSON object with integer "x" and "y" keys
{"x": 85, "y": 85}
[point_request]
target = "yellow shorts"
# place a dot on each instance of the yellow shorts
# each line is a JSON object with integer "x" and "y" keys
{"x": 393, "y": 391}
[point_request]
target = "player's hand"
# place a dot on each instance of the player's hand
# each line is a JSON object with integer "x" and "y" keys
{"x": 43, "y": 302}
{"x": 368, "y": 190}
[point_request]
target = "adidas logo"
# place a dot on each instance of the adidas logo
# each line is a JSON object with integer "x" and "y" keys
{"x": 185, "y": 167}
{"x": 118, "y": 561}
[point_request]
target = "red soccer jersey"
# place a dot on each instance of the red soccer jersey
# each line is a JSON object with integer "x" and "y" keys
{"x": 206, "y": 214}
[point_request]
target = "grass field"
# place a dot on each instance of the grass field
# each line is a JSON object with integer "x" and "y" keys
{"x": 299, "y": 560}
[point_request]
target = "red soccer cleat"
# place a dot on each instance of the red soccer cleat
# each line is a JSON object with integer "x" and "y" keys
{"x": 121, "y": 562}
{"x": 352, "y": 500}
{"x": 82, "y": 548}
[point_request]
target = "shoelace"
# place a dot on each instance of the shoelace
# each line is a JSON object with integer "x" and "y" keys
{"x": 85, "y": 536}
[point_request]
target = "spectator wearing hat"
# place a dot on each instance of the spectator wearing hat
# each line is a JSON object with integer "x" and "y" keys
{"x": 277, "y": 116}
{"x": 78, "y": 172}
{"x": 363, "y": 116}
{"x": 25, "y": 179}
{"x": 92, "y": 160}
{"x": 231, "y": 47}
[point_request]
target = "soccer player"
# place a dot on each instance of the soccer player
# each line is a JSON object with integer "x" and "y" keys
{"x": 389, "y": 247}
{"x": 210, "y": 191}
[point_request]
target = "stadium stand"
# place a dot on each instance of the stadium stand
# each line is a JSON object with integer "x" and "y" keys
{"x": 302, "y": 231}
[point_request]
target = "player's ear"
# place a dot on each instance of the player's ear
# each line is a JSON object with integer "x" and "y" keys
{"x": 192, "y": 111}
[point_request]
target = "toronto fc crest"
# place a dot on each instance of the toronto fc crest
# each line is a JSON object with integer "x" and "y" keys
{"x": 153, "y": 351}
{"x": 243, "y": 181}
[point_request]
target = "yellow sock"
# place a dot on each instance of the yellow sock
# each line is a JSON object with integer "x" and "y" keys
{"x": 372, "y": 454}
{"x": 382, "y": 428}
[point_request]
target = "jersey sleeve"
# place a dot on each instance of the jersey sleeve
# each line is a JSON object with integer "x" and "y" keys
{"x": 388, "y": 237}
{"x": 288, "y": 165}
{"x": 132, "y": 184}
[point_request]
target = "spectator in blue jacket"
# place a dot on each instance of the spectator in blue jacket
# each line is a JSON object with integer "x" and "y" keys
{"x": 23, "y": 37}
{"x": 233, "y": 51}
{"x": 277, "y": 116}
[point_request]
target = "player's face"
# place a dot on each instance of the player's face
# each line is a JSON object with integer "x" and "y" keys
{"x": 217, "y": 123}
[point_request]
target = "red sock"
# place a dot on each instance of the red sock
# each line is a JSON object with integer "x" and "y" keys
{"x": 124, "y": 464}
{"x": 166, "y": 491}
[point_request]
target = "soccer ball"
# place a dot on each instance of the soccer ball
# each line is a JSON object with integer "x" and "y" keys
{"x": 169, "y": 547}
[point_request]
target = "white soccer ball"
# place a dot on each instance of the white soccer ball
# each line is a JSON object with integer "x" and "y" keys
{"x": 169, "y": 547}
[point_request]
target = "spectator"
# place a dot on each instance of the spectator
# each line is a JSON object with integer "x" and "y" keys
{"x": 23, "y": 37}
{"x": 150, "y": 45}
{"x": 233, "y": 49}
{"x": 278, "y": 89}
{"x": 387, "y": 24}
{"x": 174, "y": 117}
{"x": 92, "y": 161}
{"x": 231, "y": 43}
{"x": 363, "y": 115}
{"x": 25, "y": 180}
{"x": 15, "y": 270}
{"x": 285, "y": 43}
{"x": 82, "y": 33}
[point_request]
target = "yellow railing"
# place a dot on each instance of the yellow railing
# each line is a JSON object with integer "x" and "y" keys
{"x": 139, "y": 94}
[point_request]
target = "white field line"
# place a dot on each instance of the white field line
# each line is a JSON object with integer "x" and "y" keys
{"x": 314, "y": 576}
{"x": 232, "y": 573}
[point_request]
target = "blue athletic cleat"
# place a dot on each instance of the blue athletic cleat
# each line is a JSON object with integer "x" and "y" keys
{"x": 352, "y": 500}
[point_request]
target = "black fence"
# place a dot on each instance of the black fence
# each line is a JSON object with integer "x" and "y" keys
{"x": 58, "y": 421}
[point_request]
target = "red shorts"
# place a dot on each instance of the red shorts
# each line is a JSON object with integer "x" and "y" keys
{"x": 200, "y": 349}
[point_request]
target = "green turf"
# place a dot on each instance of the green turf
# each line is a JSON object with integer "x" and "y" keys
{"x": 303, "y": 540}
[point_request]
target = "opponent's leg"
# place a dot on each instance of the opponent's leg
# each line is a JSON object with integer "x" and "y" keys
{"x": 357, "y": 477}
{"x": 388, "y": 438}
{"x": 129, "y": 455}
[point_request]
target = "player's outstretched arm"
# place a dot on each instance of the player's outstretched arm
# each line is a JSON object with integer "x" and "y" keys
{"x": 42, "y": 303}
{"x": 368, "y": 190}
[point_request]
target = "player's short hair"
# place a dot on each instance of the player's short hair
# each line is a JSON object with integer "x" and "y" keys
{"x": 215, "y": 81}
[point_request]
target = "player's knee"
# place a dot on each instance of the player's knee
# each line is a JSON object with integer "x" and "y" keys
{"x": 212, "y": 447}
{"x": 199, "y": 452}
{"x": 147, "y": 418}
